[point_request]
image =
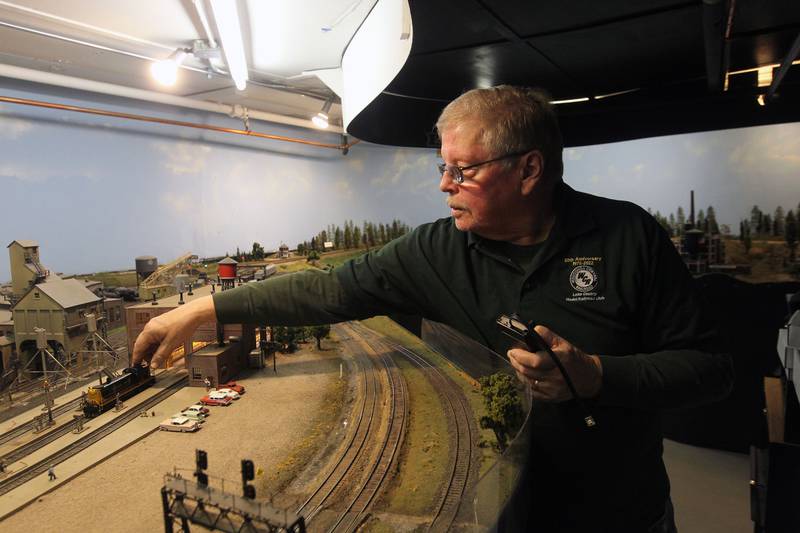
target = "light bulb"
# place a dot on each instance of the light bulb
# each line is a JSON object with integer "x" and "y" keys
{"x": 320, "y": 120}
{"x": 165, "y": 72}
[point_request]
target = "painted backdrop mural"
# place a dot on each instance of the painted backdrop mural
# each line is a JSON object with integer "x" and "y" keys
{"x": 96, "y": 192}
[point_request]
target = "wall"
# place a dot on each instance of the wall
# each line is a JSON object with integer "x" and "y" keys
{"x": 97, "y": 192}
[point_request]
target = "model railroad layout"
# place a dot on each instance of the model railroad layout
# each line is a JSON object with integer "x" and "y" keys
{"x": 18, "y": 478}
{"x": 462, "y": 431}
{"x": 360, "y": 471}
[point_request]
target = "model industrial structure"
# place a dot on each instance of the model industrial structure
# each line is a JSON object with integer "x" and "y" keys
{"x": 701, "y": 249}
{"x": 41, "y": 300}
{"x": 216, "y": 353}
{"x": 160, "y": 280}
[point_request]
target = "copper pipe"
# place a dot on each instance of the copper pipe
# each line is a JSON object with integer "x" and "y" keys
{"x": 142, "y": 118}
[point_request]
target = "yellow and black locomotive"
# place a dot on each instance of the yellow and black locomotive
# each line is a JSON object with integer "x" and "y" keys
{"x": 100, "y": 398}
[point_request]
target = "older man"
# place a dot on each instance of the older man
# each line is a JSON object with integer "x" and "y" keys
{"x": 600, "y": 277}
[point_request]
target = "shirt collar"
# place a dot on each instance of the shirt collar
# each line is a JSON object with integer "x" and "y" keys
{"x": 573, "y": 216}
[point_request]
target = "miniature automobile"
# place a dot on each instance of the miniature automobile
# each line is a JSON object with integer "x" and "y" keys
{"x": 233, "y": 386}
{"x": 198, "y": 408}
{"x": 191, "y": 415}
{"x": 180, "y": 423}
{"x": 216, "y": 398}
{"x": 229, "y": 392}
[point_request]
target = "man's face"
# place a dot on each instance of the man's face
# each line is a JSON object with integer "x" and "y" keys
{"x": 488, "y": 200}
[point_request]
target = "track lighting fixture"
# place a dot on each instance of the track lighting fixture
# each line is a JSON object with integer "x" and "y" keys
{"x": 166, "y": 71}
{"x": 320, "y": 120}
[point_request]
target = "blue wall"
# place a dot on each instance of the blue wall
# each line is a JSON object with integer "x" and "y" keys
{"x": 96, "y": 192}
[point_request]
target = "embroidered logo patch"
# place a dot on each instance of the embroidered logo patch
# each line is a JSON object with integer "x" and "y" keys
{"x": 583, "y": 278}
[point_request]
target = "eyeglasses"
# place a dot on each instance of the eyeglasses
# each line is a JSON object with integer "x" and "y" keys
{"x": 457, "y": 172}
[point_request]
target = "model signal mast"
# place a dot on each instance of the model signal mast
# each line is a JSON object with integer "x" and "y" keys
{"x": 196, "y": 502}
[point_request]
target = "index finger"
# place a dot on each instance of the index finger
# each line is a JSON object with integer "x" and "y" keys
{"x": 143, "y": 349}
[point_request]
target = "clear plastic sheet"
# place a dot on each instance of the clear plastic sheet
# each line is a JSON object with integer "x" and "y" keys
{"x": 501, "y": 482}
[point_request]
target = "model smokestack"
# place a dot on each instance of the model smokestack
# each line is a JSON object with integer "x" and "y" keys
{"x": 691, "y": 210}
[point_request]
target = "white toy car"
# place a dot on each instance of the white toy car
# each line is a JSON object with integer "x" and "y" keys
{"x": 199, "y": 409}
{"x": 179, "y": 423}
{"x": 230, "y": 393}
{"x": 192, "y": 415}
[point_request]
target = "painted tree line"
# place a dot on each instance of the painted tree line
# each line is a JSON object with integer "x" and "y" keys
{"x": 367, "y": 235}
{"x": 675, "y": 223}
{"x": 780, "y": 225}
{"x": 350, "y": 236}
{"x": 761, "y": 225}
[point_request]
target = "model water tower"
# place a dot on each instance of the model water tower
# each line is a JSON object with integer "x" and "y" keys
{"x": 145, "y": 266}
{"x": 226, "y": 270}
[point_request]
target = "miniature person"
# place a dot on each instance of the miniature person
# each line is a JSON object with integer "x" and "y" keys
{"x": 611, "y": 297}
{"x": 207, "y": 383}
{"x": 51, "y": 473}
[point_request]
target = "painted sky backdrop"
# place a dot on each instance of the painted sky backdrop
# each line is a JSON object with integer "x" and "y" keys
{"x": 96, "y": 192}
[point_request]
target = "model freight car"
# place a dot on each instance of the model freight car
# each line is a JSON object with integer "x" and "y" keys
{"x": 100, "y": 398}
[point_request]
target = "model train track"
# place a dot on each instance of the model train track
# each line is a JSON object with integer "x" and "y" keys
{"x": 29, "y": 425}
{"x": 38, "y": 468}
{"x": 355, "y": 512}
{"x": 461, "y": 436}
{"x": 37, "y": 443}
{"x": 360, "y": 436}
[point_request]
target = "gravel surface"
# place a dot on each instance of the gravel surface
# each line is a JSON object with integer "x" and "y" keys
{"x": 270, "y": 424}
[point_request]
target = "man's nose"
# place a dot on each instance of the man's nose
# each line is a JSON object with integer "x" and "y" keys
{"x": 446, "y": 183}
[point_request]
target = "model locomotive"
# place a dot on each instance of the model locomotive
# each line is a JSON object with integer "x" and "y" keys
{"x": 100, "y": 398}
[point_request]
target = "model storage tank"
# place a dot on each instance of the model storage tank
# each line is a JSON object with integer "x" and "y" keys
{"x": 146, "y": 265}
{"x": 226, "y": 270}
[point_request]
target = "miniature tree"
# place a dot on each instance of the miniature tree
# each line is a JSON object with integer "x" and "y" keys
{"x": 258, "y": 251}
{"x": 504, "y": 414}
{"x": 320, "y": 332}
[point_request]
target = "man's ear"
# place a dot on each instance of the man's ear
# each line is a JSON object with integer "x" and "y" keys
{"x": 532, "y": 171}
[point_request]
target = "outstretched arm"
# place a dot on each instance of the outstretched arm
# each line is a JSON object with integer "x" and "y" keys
{"x": 164, "y": 333}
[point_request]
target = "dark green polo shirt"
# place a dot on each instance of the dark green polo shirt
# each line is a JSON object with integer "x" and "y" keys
{"x": 607, "y": 279}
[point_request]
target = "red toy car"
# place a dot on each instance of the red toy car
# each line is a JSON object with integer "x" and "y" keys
{"x": 233, "y": 386}
{"x": 216, "y": 398}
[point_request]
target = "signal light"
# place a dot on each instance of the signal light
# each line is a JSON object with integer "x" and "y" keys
{"x": 248, "y": 473}
{"x": 201, "y": 462}
{"x": 201, "y": 458}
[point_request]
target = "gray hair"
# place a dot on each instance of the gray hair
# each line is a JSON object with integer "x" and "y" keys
{"x": 512, "y": 119}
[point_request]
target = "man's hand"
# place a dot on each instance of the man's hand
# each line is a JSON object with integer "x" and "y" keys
{"x": 547, "y": 383}
{"x": 164, "y": 333}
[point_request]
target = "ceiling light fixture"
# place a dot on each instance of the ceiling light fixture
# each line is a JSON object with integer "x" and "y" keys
{"x": 230, "y": 33}
{"x": 166, "y": 71}
{"x": 765, "y": 76}
{"x": 320, "y": 120}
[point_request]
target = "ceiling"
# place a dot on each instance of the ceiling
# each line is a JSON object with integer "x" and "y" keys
{"x": 116, "y": 42}
{"x": 639, "y": 68}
